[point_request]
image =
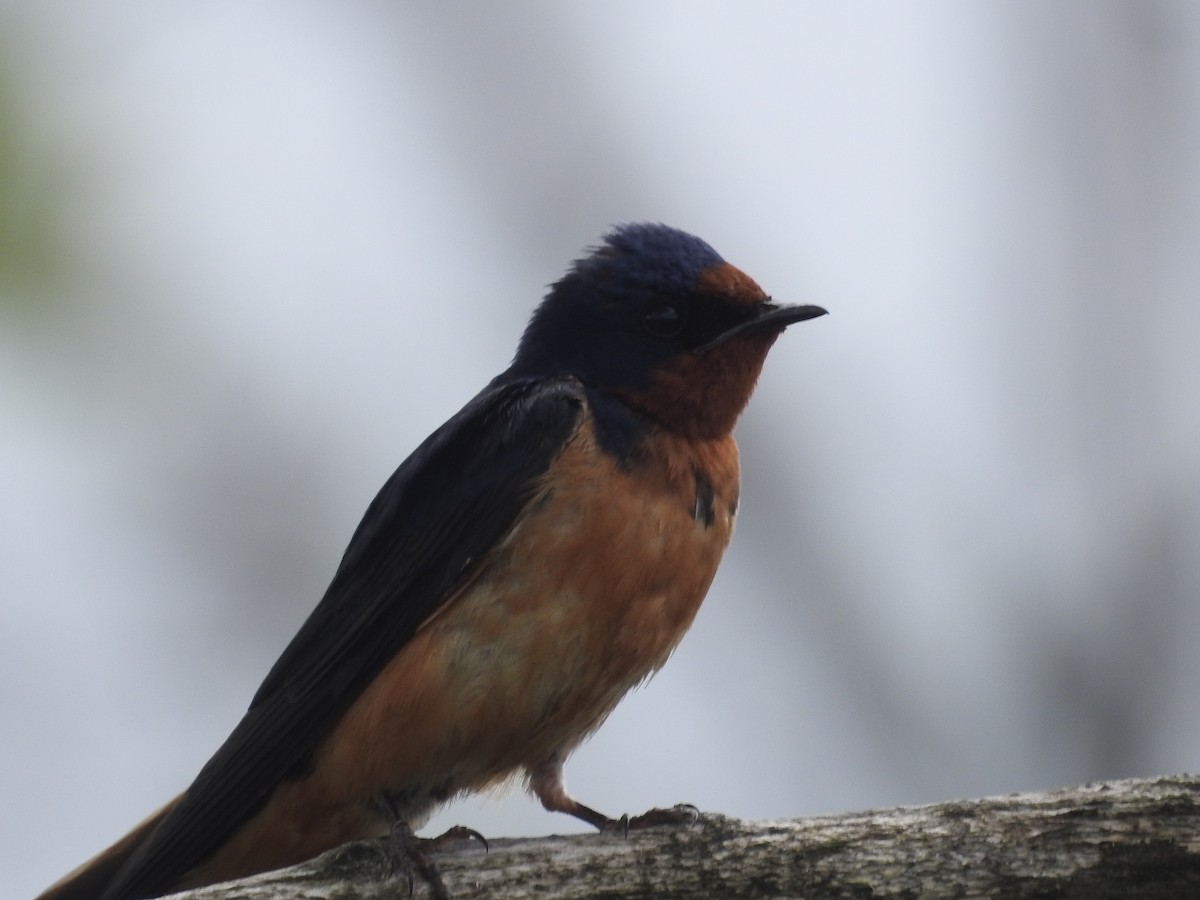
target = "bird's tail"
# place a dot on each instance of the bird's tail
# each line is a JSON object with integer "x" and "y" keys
{"x": 88, "y": 881}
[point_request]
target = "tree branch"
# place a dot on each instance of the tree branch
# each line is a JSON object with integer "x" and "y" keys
{"x": 1129, "y": 839}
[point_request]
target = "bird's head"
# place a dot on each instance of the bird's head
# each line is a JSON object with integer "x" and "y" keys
{"x": 656, "y": 317}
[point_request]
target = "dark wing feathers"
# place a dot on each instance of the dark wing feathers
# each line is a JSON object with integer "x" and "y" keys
{"x": 422, "y": 535}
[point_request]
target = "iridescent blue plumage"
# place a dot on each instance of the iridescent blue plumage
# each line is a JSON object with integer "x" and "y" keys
{"x": 590, "y": 324}
{"x": 647, "y": 257}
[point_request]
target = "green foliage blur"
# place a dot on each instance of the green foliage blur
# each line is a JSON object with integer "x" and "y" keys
{"x": 31, "y": 249}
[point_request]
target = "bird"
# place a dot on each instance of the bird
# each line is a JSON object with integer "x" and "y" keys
{"x": 536, "y": 557}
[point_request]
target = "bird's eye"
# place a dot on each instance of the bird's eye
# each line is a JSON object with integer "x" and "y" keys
{"x": 664, "y": 320}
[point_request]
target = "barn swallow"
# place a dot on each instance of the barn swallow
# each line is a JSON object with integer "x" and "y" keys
{"x": 534, "y": 558}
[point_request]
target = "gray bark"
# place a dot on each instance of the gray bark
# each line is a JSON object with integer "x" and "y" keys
{"x": 1129, "y": 839}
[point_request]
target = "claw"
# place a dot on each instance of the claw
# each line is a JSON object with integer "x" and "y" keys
{"x": 682, "y": 814}
{"x": 618, "y": 825}
{"x": 457, "y": 833}
{"x": 407, "y": 852}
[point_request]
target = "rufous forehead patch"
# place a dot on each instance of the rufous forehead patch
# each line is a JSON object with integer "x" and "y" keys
{"x": 732, "y": 282}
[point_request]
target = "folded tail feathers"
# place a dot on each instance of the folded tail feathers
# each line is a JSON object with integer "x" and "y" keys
{"x": 88, "y": 881}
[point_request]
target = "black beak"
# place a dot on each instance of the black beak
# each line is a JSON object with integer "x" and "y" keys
{"x": 768, "y": 317}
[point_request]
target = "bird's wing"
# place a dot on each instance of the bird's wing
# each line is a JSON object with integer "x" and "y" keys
{"x": 422, "y": 537}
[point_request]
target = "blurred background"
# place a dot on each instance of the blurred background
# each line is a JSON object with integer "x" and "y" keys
{"x": 251, "y": 254}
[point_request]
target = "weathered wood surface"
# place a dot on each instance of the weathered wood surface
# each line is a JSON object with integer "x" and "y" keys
{"x": 1129, "y": 839}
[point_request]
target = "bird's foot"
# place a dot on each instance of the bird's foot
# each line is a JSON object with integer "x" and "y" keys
{"x": 409, "y": 855}
{"x": 546, "y": 781}
{"x": 680, "y": 815}
{"x": 453, "y": 836}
